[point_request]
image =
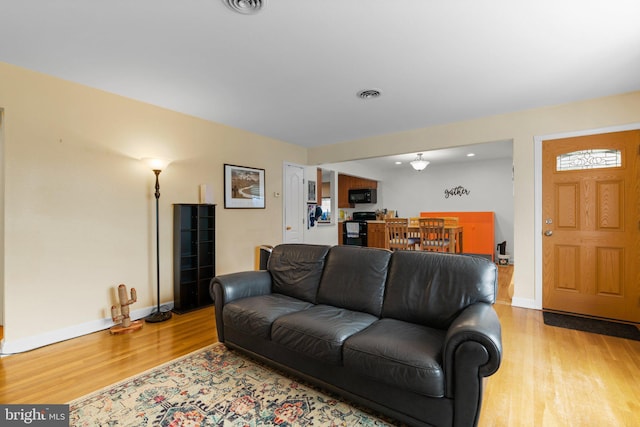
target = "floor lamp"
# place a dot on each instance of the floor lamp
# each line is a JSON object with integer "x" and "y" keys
{"x": 156, "y": 166}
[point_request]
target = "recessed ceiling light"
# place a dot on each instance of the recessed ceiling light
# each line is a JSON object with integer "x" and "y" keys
{"x": 398, "y": 163}
{"x": 471, "y": 154}
{"x": 246, "y": 7}
{"x": 369, "y": 93}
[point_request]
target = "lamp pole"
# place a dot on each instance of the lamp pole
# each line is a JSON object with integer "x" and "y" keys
{"x": 158, "y": 316}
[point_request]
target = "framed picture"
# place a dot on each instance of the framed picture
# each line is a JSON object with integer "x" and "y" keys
{"x": 243, "y": 187}
{"x": 311, "y": 193}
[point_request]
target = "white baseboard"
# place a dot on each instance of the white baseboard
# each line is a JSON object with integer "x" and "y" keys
{"x": 29, "y": 343}
{"x": 525, "y": 303}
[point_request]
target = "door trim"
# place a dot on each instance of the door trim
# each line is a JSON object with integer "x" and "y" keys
{"x": 537, "y": 159}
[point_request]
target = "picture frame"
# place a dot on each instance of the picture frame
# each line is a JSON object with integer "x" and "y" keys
{"x": 311, "y": 192}
{"x": 244, "y": 187}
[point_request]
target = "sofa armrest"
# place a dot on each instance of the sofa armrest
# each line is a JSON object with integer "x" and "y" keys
{"x": 229, "y": 287}
{"x": 472, "y": 350}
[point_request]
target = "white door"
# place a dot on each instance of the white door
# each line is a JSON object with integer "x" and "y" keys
{"x": 294, "y": 205}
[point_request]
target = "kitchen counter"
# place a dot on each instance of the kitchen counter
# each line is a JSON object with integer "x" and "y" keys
{"x": 375, "y": 233}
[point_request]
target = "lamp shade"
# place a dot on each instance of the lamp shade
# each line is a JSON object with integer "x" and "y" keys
{"x": 419, "y": 163}
{"x": 155, "y": 163}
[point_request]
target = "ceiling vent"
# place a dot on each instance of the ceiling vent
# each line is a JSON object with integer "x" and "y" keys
{"x": 246, "y": 7}
{"x": 368, "y": 94}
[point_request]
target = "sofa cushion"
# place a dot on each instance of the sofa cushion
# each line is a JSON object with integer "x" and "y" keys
{"x": 255, "y": 315}
{"x": 354, "y": 278}
{"x": 320, "y": 331}
{"x": 431, "y": 289}
{"x": 296, "y": 270}
{"x": 399, "y": 354}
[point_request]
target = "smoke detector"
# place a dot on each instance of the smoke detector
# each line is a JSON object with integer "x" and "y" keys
{"x": 245, "y": 7}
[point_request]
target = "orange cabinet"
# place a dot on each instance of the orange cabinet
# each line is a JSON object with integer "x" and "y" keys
{"x": 478, "y": 235}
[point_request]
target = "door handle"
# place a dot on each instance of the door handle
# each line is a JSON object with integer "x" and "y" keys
{"x": 288, "y": 227}
{"x": 548, "y": 233}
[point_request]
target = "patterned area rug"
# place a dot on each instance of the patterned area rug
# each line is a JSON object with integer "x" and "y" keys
{"x": 215, "y": 387}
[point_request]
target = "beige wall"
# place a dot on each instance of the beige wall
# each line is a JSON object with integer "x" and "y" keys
{"x": 521, "y": 127}
{"x": 79, "y": 208}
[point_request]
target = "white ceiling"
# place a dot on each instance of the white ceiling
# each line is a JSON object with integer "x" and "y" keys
{"x": 479, "y": 152}
{"x": 293, "y": 70}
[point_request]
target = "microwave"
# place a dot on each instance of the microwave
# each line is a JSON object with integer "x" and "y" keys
{"x": 363, "y": 195}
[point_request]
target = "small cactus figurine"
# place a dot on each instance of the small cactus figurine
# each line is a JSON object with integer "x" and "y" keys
{"x": 126, "y": 324}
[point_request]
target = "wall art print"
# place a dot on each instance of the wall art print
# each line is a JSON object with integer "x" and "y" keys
{"x": 244, "y": 187}
{"x": 311, "y": 191}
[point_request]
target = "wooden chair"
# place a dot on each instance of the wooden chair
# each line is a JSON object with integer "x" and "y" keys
{"x": 432, "y": 235}
{"x": 414, "y": 231}
{"x": 397, "y": 234}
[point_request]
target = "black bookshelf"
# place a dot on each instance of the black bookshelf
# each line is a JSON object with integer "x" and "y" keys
{"x": 194, "y": 260}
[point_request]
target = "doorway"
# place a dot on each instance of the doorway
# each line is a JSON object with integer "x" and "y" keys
{"x": 589, "y": 223}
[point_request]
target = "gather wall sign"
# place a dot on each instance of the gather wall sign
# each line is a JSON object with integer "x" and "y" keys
{"x": 456, "y": 191}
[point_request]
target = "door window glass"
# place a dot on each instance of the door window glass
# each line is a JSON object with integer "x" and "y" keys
{"x": 589, "y": 159}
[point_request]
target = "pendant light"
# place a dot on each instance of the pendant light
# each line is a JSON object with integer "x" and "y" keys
{"x": 419, "y": 163}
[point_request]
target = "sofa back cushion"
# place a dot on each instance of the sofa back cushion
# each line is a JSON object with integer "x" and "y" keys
{"x": 296, "y": 270}
{"x": 430, "y": 288}
{"x": 354, "y": 278}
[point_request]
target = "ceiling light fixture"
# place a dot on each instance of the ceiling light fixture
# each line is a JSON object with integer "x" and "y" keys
{"x": 471, "y": 154}
{"x": 245, "y": 7}
{"x": 369, "y": 93}
{"x": 419, "y": 163}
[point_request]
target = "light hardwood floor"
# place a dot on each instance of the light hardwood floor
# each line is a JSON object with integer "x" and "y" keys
{"x": 64, "y": 371}
{"x": 549, "y": 376}
{"x": 558, "y": 377}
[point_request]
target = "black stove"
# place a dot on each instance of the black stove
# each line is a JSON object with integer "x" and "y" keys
{"x": 364, "y": 216}
{"x": 354, "y": 232}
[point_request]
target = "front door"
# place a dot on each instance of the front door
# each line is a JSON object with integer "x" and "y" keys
{"x": 591, "y": 225}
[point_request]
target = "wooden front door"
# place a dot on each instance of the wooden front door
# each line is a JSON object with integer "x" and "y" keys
{"x": 591, "y": 225}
